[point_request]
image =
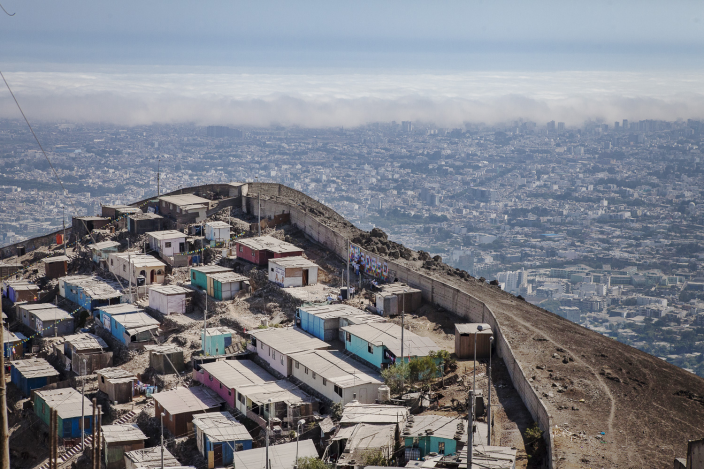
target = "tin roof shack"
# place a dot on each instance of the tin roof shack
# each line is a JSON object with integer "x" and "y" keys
{"x": 141, "y": 223}
{"x": 425, "y": 434}
{"x": 12, "y": 344}
{"x": 217, "y": 339}
{"x": 118, "y": 440}
{"x": 164, "y": 358}
{"x": 170, "y": 299}
{"x": 397, "y": 297}
{"x": 81, "y": 226}
{"x": 335, "y": 376}
{"x": 281, "y": 456}
{"x": 67, "y": 402}
{"x": 379, "y": 343}
{"x": 464, "y": 340}
{"x": 226, "y": 376}
{"x": 323, "y": 320}
{"x": 148, "y": 458}
{"x": 134, "y": 328}
{"x": 149, "y": 267}
{"x": 110, "y": 211}
{"x": 199, "y": 275}
{"x": 185, "y": 209}
{"x": 168, "y": 243}
{"x": 225, "y": 286}
{"x": 357, "y": 412}
{"x": 275, "y": 344}
{"x": 18, "y": 291}
{"x": 217, "y": 231}
{"x": 220, "y": 434}
{"x": 117, "y": 383}
{"x": 260, "y": 250}
{"x": 122, "y": 215}
{"x": 293, "y": 272}
{"x": 489, "y": 457}
{"x": 8, "y": 270}
{"x": 32, "y": 373}
{"x": 288, "y": 403}
{"x": 90, "y": 292}
{"x": 83, "y": 353}
{"x": 352, "y": 444}
{"x": 181, "y": 404}
{"x": 46, "y": 319}
{"x": 101, "y": 251}
{"x": 55, "y": 267}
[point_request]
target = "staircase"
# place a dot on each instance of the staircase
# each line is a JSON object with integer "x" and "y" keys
{"x": 72, "y": 452}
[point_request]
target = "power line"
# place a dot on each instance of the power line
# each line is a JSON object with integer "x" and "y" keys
{"x": 8, "y": 14}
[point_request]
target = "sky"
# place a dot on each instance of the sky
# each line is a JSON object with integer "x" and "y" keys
{"x": 346, "y": 63}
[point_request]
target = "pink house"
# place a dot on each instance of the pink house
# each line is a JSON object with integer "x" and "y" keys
{"x": 226, "y": 376}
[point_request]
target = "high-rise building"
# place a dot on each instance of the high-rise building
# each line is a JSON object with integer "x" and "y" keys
{"x": 616, "y": 124}
{"x": 406, "y": 126}
{"x": 551, "y": 126}
{"x": 625, "y": 124}
{"x": 560, "y": 126}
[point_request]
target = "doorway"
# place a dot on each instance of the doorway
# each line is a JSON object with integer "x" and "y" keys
{"x": 304, "y": 282}
{"x": 152, "y": 276}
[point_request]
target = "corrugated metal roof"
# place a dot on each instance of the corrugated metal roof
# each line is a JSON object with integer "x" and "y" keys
{"x": 364, "y": 437}
{"x": 125, "y": 432}
{"x": 34, "y": 368}
{"x": 35, "y": 306}
{"x": 103, "y": 245}
{"x": 221, "y": 426}
{"x": 281, "y": 456}
{"x": 49, "y": 260}
{"x": 166, "y": 348}
{"x": 236, "y": 373}
{"x": 151, "y": 457}
{"x": 169, "y": 290}
{"x": 389, "y": 335}
{"x": 211, "y": 269}
{"x": 288, "y": 339}
{"x": 220, "y": 330}
{"x": 184, "y": 199}
{"x": 472, "y": 328}
{"x": 139, "y": 260}
{"x": 490, "y": 457}
{"x": 124, "y": 308}
{"x": 332, "y": 311}
{"x": 136, "y": 320}
{"x": 183, "y": 400}
{"x": 398, "y": 288}
{"x": 293, "y": 262}
{"x": 115, "y": 373}
{"x": 167, "y": 234}
{"x": 226, "y": 277}
{"x": 356, "y": 412}
{"x": 441, "y": 426}
{"x": 66, "y": 401}
{"x": 85, "y": 341}
{"x": 337, "y": 368}
{"x": 269, "y": 243}
{"x": 50, "y": 314}
{"x": 217, "y": 224}
{"x": 277, "y": 391}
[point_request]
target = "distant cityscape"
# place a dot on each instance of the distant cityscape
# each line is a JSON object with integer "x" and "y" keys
{"x": 600, "y": 224}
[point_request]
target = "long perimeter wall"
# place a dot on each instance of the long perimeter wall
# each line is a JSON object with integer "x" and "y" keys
{"x": 275, "y": 200}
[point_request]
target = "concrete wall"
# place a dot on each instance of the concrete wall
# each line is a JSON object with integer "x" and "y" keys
{"x": 433, "y": 290}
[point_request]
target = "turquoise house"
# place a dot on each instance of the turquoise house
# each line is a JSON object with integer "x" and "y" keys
{"x": 67, "y": 402}
{"x": 217, "y": 339}
{"x": 379, "y": 343}
{"x": 221, "y": 434}
{"x": 434, "y": 434}
{"x": 199, "y": 275}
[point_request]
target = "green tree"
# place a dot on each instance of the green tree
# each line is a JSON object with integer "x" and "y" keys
{"x": 395, "y": 376}
{"x": 374, "y": 457}
{"x": 312, "y": 463}
{"x": 423, "y": 370}
{"x": 446, "y": 359}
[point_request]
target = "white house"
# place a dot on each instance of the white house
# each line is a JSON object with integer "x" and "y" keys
{"x": 168, "y": 299}
{"x": 336, "y": 376}
{"x": 293, "y": 272}
{"x": 273, "y": 345}
{"x": 217, "y": 231}
{"x": 149, "y": 267}
{"x": 168, "y": 243}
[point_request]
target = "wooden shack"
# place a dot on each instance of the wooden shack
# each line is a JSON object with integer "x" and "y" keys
{"x": 165, "y": 359}
{"x": 395, "y": 298}
{"x": 118, "y": 440}
{"x": 55, "y": 267}
{"x": 117, "y": 383}
{"x": 464, "y": 340}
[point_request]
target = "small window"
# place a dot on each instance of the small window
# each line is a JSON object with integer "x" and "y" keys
{"x": 441, "y": 448}
{"x": 210, "y": 377}
{"x": 338, "y": 390}
{"x": 171, "y": 417}
{"x": 305, "y": 369}
{"x": 102, "y": 379}
{"x": 124, "y": 268}
{"x": 325, "y": 382}
{"x": 272, "y": 269}
{"x": 252, "y": 253}
{"x": 239, "y": 446}
{"x": 348, "y": 336}
{"x": 296, "y": 364}
{"x": 167, "y": 244}
{"x": 241, "y": 249}
{"x": 220, "y": 385}
{"x": 229, "y": 392}
{"x": 262, "y": 345}
{"x": 314, "y": 375}
{"x": 112, "y": 262}
{"x": 370, "y": 348}
{"x": 282, "y": 359}
{"x": 193, "y": 275}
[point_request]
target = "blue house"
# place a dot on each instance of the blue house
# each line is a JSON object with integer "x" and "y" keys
{"x": 128, "y": 324}
{"x": 434, "y": 434}
{"x": 89, "y": 292}
{"x": 12, "y": 344}
{"x": 220, "y": 433}
{"x": 217, "y": 339}
{"x": 67, "y": 402}
{"x": 33, "y": 373}
{"x": 323, "y": 320}
{"x": 379, "y": 343}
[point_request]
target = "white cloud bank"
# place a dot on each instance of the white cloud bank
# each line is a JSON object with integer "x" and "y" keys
{"x": 349, "y": 100}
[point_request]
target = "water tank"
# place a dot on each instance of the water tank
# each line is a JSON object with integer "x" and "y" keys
{"x": 384, "y": 393}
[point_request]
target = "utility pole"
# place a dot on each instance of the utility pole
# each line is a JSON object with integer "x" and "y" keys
{"x": 348, "y": 268}
{"x": 99, "y": 436}
{"x": 162, "y": 440}
{"x": 4, "y": 429}
{"x": 129, "y": 264}
{"x": 158, "y": 177}
{"x": 259, "y": 217}
{"x": 83, "y": 405}
{"x": 491, "y": 340}
{"x": 63, "y": 219}
{"x": 268, "y": 424}
{"x": 205, "y": 314}
{"x": 470, "y": 431}
{"x": 403, "y": 328}
{"x": 94, "y": 424}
